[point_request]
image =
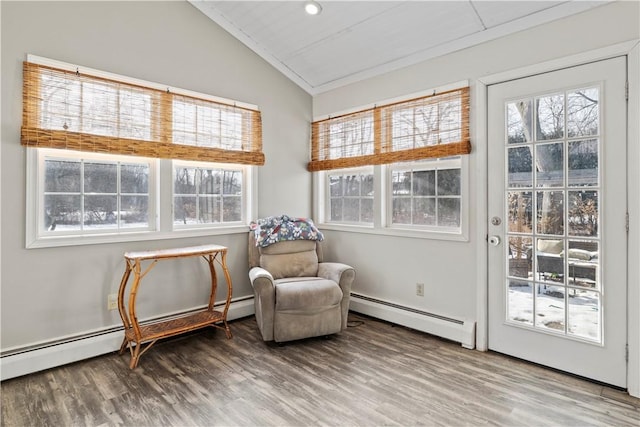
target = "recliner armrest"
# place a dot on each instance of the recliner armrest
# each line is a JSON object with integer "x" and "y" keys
{"x": 334, "y": 271}
{"x": 264, "y": 292}
{"x": 259, "y": 272}
{"x": 263, "y": 286}
{"x": 343, "y": 275}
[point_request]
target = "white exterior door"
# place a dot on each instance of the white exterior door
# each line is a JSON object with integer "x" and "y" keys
{"x": 557, "y": 210}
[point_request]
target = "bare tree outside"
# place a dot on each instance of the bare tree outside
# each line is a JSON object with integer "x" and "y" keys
{"x": 553, "y": 118}
{"x": 552, "y": 139}
{"x": 206, "y": 196}
{"x": 85, "y": 195}
{"x": 426, "y": 197}
{"x": 351, "y": 137}
{"x": 420, "y": 125}
{"x": 351, "y": 197}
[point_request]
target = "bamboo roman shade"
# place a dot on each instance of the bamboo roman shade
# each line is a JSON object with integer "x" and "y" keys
{"x": 71, "y": 110}
{"x": 428, "y": 127}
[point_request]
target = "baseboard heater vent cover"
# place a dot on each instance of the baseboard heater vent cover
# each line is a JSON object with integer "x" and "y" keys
{"x": 16, "y": 362}
{"x": 455, "y": 329}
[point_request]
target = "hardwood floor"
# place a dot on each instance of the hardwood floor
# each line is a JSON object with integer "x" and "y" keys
{"x": 372, "y": 374}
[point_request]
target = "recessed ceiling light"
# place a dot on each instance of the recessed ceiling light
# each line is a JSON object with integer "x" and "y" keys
{"x": 312, "y": 7}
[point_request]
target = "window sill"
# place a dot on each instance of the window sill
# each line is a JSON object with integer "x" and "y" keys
{"x": 396, "y": 232}
{"x": 96, "y": 239}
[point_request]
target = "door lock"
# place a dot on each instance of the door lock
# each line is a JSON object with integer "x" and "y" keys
{"x": 496, "y": 220}
{"x": 494, "y": 240}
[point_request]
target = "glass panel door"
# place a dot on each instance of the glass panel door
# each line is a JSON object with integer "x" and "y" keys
{"x": 557, "y": 200}
{"x": 552, "y": 152}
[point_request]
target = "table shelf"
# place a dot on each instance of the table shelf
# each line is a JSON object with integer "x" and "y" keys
{"x": 176, "y": 326}
{"x": 135, "y": 335}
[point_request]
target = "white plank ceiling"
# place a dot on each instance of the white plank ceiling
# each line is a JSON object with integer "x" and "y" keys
{"x": 354, "y": 40}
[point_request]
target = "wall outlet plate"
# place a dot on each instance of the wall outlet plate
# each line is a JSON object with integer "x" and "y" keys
{"x": 420, "y": 289}
{"x": 112, "y": 302}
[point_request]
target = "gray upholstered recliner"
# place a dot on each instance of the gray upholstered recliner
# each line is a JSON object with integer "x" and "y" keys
{"x": 297, "y": 295}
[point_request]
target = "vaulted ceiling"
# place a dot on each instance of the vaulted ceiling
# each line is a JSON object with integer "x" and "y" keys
{"x": 353, "y": 40}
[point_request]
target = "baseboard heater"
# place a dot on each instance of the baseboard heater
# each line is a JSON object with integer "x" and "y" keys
{"x": 458, "y": 330}
{"x": 24, "y": 360}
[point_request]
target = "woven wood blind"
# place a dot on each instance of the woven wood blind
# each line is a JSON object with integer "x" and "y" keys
{"x": 428, "y": 127}
{"x": 74, "y": 111}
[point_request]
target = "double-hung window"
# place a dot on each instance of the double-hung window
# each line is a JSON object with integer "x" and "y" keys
{"x": 101, "y": 194}
{"x": 111, "y": 158}
{"x": 350, "y": 196}
{"x": 205, "y": 194}
{"x": 426, "y": 195}
{"x": 398, "y": 168}
{"x": 350, "y": 191}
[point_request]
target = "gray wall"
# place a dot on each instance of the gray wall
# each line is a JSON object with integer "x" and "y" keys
{"x": 49, "y": 293}
{"x": 389, "y": 267}
{"x": 53, "y": 292}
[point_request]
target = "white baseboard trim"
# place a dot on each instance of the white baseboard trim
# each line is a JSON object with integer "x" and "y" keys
{"x": 84, "y": 346}
{"x": 458, "y": 330}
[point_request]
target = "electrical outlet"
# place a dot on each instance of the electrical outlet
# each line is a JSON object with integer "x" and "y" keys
{"x": 420, "y": 289}
{"x": 112, "y": 302}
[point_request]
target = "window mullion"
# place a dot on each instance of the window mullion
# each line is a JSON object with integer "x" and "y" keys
{"x": 220, "y": 195}
{"x": 380, "y": 194}
{"x": 82, "y": 207}
{"x": 437, "y": 198}
{"x": 118, "y": 194}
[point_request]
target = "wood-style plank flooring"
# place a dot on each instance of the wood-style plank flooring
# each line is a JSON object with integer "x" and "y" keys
{"x": 373, "y": 374}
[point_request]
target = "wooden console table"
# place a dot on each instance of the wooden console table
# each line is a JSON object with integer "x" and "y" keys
{"x": 134, "y": 334}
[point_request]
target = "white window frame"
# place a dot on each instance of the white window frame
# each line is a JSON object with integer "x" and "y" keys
{"x": 160, "y": 185}
{"x": 431, "y": 164}
{"x": 364, "y": 170}
{"x": 38, "y": 236}
{"x": 382, "y": 203}
{"x": 160, "y": 203}
{"x": 246, "y": 175}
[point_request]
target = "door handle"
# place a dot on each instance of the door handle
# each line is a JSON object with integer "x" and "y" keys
{"x": 494, "y": 240}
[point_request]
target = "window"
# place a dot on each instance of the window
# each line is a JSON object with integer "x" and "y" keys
{"x": 346, "y": 137}
{"x": 427, "y": 195}
{"x": 93, "y": 111}
{"x": 112, "y": 158}
{"x": 81, "y": 198}
{"x": 94, "y": 107}
{"x": 203, "y": 124}
{"x": 423, "y": 199}
{"x": 426, "y": 127}
{"x": 207, "y": 194}
{"x": 423, "y": 123}
{"x": 95, "y": 194}
{"x": 395, "y": 168}
{"x": 350, "y": 196}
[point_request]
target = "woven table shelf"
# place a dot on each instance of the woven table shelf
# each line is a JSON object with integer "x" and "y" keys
{"x": 136, "y": 335}
{"x": 176, "y": 326}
